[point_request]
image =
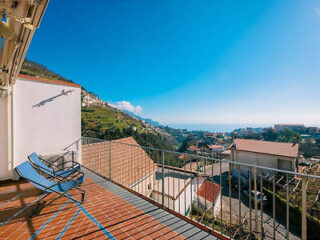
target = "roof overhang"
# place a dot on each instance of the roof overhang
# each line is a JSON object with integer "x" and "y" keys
{"x": 19, "y": 19}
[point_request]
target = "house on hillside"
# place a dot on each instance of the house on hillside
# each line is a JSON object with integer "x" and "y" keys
{"x": 131, "y": 166}
{"x": 278, "y": 155}
{"x": 209, "y": 197}
{"x": 179, "y": 190}
{"x": 193, "y": 149}
{"x": 216, "y": 148}
{"x": 294, "y": 127}
{"x": 182, "y": 157}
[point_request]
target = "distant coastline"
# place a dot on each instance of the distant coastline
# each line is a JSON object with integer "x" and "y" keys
{"x": 217, "y": 127}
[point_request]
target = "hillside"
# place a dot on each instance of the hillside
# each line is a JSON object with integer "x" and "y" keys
{"x": 35, "y": 69}
{"x": 99, "y": 120}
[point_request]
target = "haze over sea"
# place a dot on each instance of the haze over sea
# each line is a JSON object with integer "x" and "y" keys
{"x": 224, "y": 127}
{"x": 217, "y": 127}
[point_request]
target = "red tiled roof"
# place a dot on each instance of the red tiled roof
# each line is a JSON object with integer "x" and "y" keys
{"x": 129, "y": 162}
{"x": 216, "y": 147}
{"x": 267, "y": 147}
{"x": 46, "y": 80}
{"x": 193, "y": 147}
{"x": 210, "y": 191}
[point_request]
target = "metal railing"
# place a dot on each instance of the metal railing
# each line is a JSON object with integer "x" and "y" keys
{"x": 232, "y": 199}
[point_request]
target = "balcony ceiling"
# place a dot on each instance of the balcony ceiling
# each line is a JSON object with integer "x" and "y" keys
{"x": 19, "y": 19}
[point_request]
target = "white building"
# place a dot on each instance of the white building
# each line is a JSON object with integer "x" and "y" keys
{"x": 42, "y": 116}
{"x": 209, "y": 197}
{"x": 179, "y": 190}
{"x": 216, "y": 148}
{"x": 281, "y": 127}
{"x": 278, "y": 155}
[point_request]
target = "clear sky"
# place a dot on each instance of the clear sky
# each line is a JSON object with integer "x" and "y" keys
{"x": 190, "y": 61}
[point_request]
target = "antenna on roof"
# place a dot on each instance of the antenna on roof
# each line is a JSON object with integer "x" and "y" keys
{"x": 296, "y": 141}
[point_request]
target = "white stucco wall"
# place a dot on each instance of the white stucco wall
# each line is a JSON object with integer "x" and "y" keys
{"x": 205, "y": 204}
{"x": 3, "y": 139}
{"x": 264, "y": 160}
{"x": 142, "y": 186}
{"x": 46, "y": 118}
{"x": 183, "y": 201}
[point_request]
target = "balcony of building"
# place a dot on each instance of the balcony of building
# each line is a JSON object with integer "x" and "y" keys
{"x": 136, "y": 192}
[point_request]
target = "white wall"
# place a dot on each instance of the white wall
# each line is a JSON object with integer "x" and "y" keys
{"x": 3, "y": 139}
{"x": 46, "y": 118}
{"x": 205, "y": 204}
{"x": 264, "y": 160}
{"x": 142, "y": 186}
{"x": 184, "y": 200}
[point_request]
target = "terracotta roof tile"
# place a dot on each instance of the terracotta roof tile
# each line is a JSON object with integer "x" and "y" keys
{"x": 215, "y": 146}
{"x": 210, "y": 191}
{"x": 129, "y": 162}
{"x": 193, "y": 147}
{"x": 46, "y": 80}
{"x": 267, "y": 147}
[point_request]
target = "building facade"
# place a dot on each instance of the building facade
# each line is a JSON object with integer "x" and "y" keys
{"x": 42, "y": 116}
{"x": 208, "y": 197}
{"x": 277, "y": 155}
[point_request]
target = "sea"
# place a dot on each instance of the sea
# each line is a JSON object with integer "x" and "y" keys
{"x": 217, "y": 127}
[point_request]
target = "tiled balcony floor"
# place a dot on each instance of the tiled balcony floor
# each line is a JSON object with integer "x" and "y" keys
{"x": 109, "y": 212}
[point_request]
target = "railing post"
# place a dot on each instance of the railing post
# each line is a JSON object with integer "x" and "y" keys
{"x": 274, "y": 204}
{"x": 287, "y": 206}
{"x": 72, "y": 156}
{"x": 250, "y": 205}
{"x": 255, "y": 199}
{"x": 162, "y": 179}
{"x": 110, "y": 159}
{"x": 304, "y": 210}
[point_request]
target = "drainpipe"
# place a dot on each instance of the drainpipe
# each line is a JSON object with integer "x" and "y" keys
{"x": 10, "y": 132}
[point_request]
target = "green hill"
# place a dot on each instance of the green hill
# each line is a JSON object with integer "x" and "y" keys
{"x": 35, "y": 69}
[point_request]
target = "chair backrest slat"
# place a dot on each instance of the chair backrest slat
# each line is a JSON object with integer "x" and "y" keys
{"x": 25, "y": 170}
{"x": 33, "y": 157}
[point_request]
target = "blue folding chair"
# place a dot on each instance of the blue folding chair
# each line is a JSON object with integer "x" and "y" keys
{"x": 26, "y": 171}
{"x": 62, "y": 173}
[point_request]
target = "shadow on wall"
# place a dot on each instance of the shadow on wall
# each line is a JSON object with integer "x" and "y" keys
{"x": 63, "y": 93}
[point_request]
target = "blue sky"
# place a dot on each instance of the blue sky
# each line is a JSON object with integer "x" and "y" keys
{"x": 227, "y": 62}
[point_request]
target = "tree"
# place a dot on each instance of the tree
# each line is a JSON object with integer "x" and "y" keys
{"x": 270, "y": 134}
{"x": 288, "y": 135}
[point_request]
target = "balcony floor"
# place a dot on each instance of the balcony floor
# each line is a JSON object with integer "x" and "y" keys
{"x": 109, "y": 212}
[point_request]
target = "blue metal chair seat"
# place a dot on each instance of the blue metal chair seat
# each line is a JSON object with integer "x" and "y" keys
{"x": 63, "y": 173}
{"x": 25, "y": 170}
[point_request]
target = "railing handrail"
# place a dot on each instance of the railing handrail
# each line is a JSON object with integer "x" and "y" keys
{"x": 208, "y": 158}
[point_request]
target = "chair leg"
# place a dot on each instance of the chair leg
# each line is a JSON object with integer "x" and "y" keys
{"x": 83, "y": 197}
{"x": 56, "y": 198}
{"x": 83, "y": 193}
